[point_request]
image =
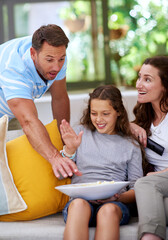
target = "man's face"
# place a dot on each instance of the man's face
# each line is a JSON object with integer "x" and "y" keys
{"x": 48, "y": 60}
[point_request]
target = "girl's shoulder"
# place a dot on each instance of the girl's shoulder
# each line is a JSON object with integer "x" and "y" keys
{"x": 79, "y": 127}
{"x": 131, "y": 141}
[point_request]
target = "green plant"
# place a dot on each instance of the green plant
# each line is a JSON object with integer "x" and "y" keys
{"x": 147, "y": 35}
{"x": 75, "y": 10}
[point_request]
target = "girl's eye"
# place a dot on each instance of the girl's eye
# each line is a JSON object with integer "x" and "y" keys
{"x": 106, "y": 114}
{"x": 94, "y": 114}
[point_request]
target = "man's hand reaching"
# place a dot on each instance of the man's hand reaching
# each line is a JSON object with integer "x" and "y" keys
{"x": 64, "y": 166}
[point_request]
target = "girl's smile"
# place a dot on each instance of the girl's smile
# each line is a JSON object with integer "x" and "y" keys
{"x": 101, "y": 126}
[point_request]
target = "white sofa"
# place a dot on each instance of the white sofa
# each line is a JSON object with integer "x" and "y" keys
{"x": 52, "y": 227}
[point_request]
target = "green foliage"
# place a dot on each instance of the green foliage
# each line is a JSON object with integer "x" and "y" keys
{"x": 81, "y": 56}
{"x": 75, "y": 10}
{"x": 147, "y": 34}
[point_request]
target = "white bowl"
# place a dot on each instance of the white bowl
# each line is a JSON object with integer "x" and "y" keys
{"x": 92, "y": 191}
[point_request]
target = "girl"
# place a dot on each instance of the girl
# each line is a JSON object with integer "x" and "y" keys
{"x": 107, "y": 152}
{"x": 152, "y": 121}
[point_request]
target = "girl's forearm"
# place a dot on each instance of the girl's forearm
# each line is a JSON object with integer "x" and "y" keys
{"x": 127, "y": 197}
{"x": 70, "y": 150}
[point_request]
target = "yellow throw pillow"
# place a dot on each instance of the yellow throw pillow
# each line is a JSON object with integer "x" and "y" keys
{"x": 34, "y": 178}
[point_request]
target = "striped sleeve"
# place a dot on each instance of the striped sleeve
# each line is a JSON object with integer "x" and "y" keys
{"x": 13, "y": 86}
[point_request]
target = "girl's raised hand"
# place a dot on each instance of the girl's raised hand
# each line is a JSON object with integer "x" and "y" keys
{"x": 70, "y": 138}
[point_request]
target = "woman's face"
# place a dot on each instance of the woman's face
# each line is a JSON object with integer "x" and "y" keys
{"x": 103, "y": 116}
{"x": 149, "y": 85}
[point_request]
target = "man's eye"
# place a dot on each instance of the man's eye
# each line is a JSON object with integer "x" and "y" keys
{"x": 62, "y": 59}
{"x": 148, "y": 80}
{"x": 49, "y": 60}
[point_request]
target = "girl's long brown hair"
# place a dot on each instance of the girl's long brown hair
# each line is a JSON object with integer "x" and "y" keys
{"x": 111, "y": 93}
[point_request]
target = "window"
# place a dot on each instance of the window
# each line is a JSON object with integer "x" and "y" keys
{"x": 109, "y": 39}
{"x": 82, "y": 23}
{"x": 138, "y": 30}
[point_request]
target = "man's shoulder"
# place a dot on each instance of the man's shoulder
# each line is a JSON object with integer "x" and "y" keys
{"x": 17, "y": 46}
{"x": 14, "y": 53}
{"x": 17, "y": 41}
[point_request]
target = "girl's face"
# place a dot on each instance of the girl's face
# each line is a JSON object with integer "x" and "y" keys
{"x": 103, "y": 116}
{"x": 149, "y": 85}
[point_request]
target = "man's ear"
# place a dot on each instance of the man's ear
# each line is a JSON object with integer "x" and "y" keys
{"x": 33, "y": 53}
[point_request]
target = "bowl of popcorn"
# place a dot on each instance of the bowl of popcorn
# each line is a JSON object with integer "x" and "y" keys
{"x": 93, "y": 190}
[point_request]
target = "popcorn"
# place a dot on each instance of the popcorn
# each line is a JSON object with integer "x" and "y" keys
{"x": 93, "y": 183}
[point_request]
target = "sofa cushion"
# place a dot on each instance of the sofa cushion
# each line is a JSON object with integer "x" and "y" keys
{"x": 34, "y": 178}
{"x": 52, "y": 228}
{"x": 10, "y": 199}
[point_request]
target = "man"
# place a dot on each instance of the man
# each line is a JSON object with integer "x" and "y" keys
{"x": 29, "y": 66}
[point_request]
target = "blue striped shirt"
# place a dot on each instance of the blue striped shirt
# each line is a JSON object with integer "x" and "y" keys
{"x": 18, "y": 75}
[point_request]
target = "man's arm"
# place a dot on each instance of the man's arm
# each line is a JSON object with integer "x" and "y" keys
{"x": 26, "y": 113}
{"x": 60, "y": 101}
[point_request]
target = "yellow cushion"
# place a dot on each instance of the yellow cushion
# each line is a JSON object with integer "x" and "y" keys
{"x": 34, "y": 178}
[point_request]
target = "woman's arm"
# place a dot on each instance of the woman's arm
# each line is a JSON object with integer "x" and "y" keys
{"x": 139, "y": 133}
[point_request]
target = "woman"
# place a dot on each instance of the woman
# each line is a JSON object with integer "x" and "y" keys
{"x": 151, "y": 120}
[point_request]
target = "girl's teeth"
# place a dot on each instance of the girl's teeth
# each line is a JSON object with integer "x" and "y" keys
{"x": 101, "y": 125}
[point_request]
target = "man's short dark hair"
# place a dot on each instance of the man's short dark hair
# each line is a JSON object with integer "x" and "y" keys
{"x": 52, "y": 34}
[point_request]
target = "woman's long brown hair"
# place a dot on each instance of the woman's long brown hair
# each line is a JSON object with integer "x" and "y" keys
{"x": 144, "y": 112}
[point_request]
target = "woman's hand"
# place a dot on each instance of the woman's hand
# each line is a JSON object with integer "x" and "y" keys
{"x": 139, "y": 133}
{"x": 70, "y": 138}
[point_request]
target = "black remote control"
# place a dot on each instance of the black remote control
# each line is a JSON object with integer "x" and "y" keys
{"x": 157, "y": 148}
